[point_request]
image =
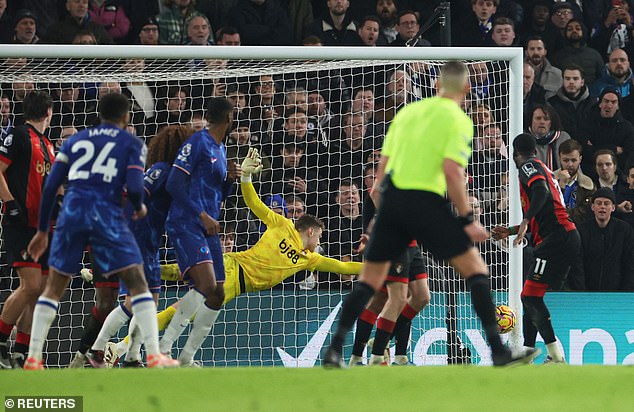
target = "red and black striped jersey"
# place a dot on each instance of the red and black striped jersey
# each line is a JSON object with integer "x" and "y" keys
{"x": 29, "y": 156}
{"x": 553, "y": 215}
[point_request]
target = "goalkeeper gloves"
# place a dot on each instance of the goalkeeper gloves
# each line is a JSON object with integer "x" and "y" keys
{"x": 252, "y": 164}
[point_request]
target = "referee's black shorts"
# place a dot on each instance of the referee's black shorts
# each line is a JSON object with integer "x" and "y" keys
{"x": 404, "y": 215}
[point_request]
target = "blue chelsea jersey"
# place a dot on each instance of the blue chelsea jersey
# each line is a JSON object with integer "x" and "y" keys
{"x": 205, "y": 161}
{"x": 98, "y": 160}
{"x": 149, "y": 230}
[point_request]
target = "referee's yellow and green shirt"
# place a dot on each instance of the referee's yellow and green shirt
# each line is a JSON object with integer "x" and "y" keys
{"x": 278, "y": 254}
{"x": 420, "y": 137}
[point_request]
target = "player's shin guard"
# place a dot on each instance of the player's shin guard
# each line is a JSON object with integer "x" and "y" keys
{"x": 134, "y": 347}
{"x": 43, "y": 315}
{"x": 537, "y": 310}
{"x": 384, "y": 329}
{"x": 528, "y": 329}
{"x": 22, "y": 341}
{"x": 114, "y": 321}
{"x": 365, "y": 323}
{"x": 352, "y": 307}
{"x": 402, "y": 329}
{"x": 205, "y": 318}
{"x": 144, "y": 310}
{"x": 190, "y": 303}
{"x": 485, "y": 309}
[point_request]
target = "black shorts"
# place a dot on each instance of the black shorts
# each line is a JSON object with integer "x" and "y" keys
{"x": 15, "y": 241}
{"x": 404, "y": 215}
{"x": 553, "y": 258}
{"x": 408, "y": 267}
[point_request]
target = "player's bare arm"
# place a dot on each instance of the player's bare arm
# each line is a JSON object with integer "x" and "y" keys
{"x": 375, "y": 193}
{"x": 212, "y": 227}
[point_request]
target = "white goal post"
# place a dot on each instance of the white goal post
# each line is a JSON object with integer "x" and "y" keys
{"x": 332, "y": 72}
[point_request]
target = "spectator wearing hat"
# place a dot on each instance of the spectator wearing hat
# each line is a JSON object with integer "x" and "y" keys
{"x": 149, "y": 33}
{"x": 25, "y": 27}
{"x": 617, "y": 75}
{"x": 77, "y": 19}
{"x": 577, "y": 52}
{"x": 606, "y": 261}
{"x": 112, "y": 16}
{"x": 606, "y": 128}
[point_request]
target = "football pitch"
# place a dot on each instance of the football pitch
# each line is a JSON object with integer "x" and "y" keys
{"x": 452, "y": 388}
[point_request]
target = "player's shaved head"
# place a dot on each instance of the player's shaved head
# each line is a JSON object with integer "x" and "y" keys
{"x": 524, "y": 144}
{"x": 113, "y": 107}
{"x": 453, "y": 78}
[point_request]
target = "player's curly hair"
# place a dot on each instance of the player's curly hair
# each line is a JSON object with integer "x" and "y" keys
{"x": 165, "y": 145}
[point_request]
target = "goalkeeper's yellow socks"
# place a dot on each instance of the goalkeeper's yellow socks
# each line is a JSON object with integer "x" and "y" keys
{"x": 170, "y": 272}
{"x": 165, "y": 317}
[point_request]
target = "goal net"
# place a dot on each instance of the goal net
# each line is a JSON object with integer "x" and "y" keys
{"x": 319, "y": 119}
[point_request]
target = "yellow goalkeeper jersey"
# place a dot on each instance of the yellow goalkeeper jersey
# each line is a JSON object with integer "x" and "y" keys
{"x": 278, "y": 254}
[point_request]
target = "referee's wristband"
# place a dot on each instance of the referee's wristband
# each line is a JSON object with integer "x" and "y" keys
{"x": 466, "y": 219}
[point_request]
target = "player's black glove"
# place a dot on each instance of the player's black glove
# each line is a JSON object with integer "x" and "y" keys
{"x": 13, "y": 212}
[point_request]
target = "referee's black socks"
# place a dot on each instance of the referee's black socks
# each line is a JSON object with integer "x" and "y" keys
{"x": 353, "y": 305}
{"x": 485, "y": 309}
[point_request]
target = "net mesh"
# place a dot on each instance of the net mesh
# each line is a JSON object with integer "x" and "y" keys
{"x": 320, "y": 126}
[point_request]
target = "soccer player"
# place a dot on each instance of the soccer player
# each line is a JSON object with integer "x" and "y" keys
{"x": 198, "y": 184}
{"x": 148, "y": 233}
{"x": 26, "y": 156}
{"x": 407, "y": 272}
{"x": 411, "y": 205}
{"x": 285, "y": 248}
{"x": 97, "y": 163}
{"x": 556, "y": 240}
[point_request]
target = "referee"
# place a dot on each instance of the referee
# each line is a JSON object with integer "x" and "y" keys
{"x": 424, "y": 156}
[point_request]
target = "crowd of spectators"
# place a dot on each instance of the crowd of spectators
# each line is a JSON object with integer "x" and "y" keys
{"x": 320, "y": 132}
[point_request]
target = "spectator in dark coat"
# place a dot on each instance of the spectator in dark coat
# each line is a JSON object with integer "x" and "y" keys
{"x": 572, "y": 101}
{"x": 606, "y": 128}
{"x": 261, "y": 22}
{"x": 77, "y": 19}
{"x": 336, "y": 28}
{"x": 606, "y": 261}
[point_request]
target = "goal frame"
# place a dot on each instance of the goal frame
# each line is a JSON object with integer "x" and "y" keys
{"x": 514, "y": 55}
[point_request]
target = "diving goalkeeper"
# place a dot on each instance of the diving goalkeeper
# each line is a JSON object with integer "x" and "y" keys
{"x": 284, "y": 249}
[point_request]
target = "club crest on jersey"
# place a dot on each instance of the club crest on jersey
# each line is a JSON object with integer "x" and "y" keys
{"x": 155, "y": 174}
{"x": 186, "y": 150}
{"x": 213, "y": 159}
{"x": 529, "y": 169}
{"x": 8, "y": 141}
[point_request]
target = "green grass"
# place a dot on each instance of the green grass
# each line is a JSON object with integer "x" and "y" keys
{"x": 453, "y": 388}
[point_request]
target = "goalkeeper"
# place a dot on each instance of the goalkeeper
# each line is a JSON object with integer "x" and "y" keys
{"x": 284, "y": 249}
